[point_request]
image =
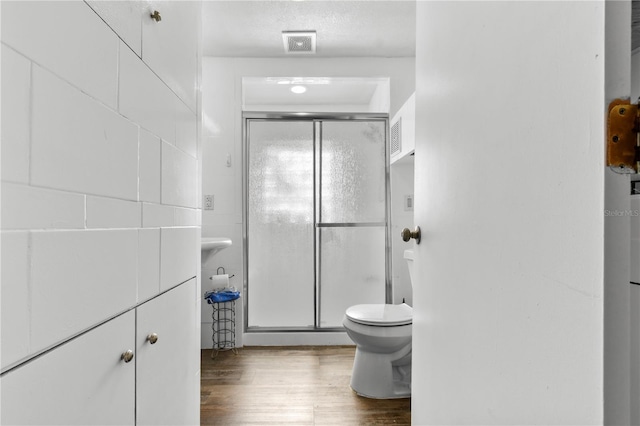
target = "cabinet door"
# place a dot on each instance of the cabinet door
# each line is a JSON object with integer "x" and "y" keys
{"x": 124, "y": 19}
{"x": 170, "y": 45}
{"x": 167, "y": 371}
{"x": 82, "y": 382}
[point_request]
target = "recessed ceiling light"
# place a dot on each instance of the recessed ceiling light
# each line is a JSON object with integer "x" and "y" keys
{"x": 298, "y": 89}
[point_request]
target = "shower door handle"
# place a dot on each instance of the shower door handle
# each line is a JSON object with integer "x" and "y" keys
{"x": 407, "y": 234}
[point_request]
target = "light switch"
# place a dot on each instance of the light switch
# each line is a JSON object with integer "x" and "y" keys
{"x": 408, "y": 203}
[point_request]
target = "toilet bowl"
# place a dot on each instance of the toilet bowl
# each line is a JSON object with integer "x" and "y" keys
{"x": 382, "y": 334}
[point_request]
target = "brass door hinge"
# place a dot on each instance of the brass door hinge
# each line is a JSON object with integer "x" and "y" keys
{"x": 623, "y": 136}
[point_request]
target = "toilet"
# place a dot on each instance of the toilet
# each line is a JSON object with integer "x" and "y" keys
{"x": 382, "y": 334}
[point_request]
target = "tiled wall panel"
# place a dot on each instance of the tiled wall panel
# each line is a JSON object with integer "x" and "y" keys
{"x": 148, "y": 263}
{"x": 179, "y": 177}
{"x": 79, "y": 278}
{"x": 178, "y": 255}
{"x": 80, "y": 145}
{"x": 144, "y": 98}
{"x": 124, "y": 18}
{"x": 68, "y": 38}
{"x": 15, "y": 296}
{"x": 26, "y": 207}
{"x": 86, "y": 196}
{"x": 185, "y": 129}
{"x": 113, "y": 213}
{"x": 157, "y": 215}
{"x": 150, "y": 164}
{"x": 16, "y": 84}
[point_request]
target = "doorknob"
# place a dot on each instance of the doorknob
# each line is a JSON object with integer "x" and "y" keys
{"x": 407, "y": 234}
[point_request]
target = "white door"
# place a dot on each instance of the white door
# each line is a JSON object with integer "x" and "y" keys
{"x": 167, "y": 371}
{"x": 509, "y": 163}
{"x": 82, "y": 382}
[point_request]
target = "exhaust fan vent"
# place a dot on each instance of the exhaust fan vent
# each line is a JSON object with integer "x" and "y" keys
{"x": 299, "y": 42}
{"x": 396, "y": 137}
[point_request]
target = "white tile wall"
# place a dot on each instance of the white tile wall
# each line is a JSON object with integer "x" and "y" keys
{"x": 82, "y": 173}
{"x": 144, "y": 98}
{"x": 148, "y": 263}
{"x": 150, "y": 164}
{"x": 178, "y": 251}
{"x": 80, "y": 49}
{"x": 124, "y": 18}
{"x": 177, "y": 33}
{"x": 186, "y": 217}
{"x": 185, "y": 129}
{"x": 157, "y": 215}
{"x": 78, "y": 144}
{"x": 16, "y": 84}
{"x": 15, "y": 296}
{"x": 27, "y": 207}
{"x": 179, "y": 177}
{"x": 113, "y": 213}
{"x": 79, "y": 278}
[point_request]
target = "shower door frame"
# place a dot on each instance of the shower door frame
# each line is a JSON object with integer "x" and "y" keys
{"x": 312, "y": 118}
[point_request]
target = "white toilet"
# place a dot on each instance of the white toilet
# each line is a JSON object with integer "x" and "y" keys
{"x": 382, "y": 334}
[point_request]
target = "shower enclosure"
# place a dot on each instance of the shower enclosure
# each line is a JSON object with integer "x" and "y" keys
{"x": 316, "y": 212}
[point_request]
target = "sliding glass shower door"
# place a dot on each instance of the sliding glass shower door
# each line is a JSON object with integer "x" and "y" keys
{"x": 316, "y": 212}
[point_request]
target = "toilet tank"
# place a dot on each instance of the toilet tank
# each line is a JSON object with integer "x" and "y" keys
{"x": 408, "y": 256}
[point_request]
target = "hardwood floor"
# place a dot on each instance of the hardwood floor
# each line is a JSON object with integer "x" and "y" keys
{"x": 306, "y": 385}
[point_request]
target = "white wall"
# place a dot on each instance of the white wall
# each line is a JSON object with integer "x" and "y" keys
{"x": 509, "y": 307}
{"x": 99, "y": 188}
{"x": 401, "y": 185}
{"x": 222, "y": 107}
{"x": 635, "y": 261}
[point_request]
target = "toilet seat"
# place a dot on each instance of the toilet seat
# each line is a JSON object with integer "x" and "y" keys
{"x": 381, "y": 315}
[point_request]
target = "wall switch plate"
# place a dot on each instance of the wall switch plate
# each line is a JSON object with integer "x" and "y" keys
{"x": 207, "y": 202}
{"x": 408, "y": 203}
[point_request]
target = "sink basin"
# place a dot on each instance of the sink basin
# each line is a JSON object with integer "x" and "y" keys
{"x": 211, "y": 246}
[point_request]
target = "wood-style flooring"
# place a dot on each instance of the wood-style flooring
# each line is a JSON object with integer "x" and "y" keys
{"x": 306, "y": 385}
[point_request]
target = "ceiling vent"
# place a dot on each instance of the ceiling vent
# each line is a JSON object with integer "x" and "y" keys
{"x": 299, "y": 42}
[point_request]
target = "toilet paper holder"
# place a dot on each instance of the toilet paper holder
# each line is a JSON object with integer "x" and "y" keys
{"x": 223, "y": 272}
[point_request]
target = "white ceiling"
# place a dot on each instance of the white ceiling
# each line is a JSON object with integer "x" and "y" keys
{"x": 344, "y": 28}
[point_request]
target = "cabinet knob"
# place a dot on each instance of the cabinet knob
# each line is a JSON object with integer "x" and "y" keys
{"x": 127, "y": 356}
{"x": 152, "y": 338}
{"x": 156, "y": 15}
{"x": 407, "y": 234}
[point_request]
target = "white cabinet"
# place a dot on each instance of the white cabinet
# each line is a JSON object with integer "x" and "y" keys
{"x": 167, "y": 41}
{"x": 169, "y": 46}
{"x": 124, "y": 18}
{"x": 403, "y": 130}
{"x": 82, "y": 382}
{"x": 167, "y": 379}
{"x": 86, "y": 382}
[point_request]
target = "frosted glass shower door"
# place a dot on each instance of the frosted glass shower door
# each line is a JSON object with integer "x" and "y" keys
{"x": 352, "y": 218}
{"x": 280, "y": 224}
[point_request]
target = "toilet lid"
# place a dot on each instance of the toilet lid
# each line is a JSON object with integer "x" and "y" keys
{"x": 381, "y": 315}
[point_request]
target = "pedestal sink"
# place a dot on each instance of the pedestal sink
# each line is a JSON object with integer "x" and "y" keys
{"x": 212, "y": 245}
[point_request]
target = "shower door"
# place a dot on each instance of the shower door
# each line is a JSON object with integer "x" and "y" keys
{"x": 316, "y": 212}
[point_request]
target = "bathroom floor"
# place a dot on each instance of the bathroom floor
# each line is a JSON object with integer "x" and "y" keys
{"x": 306, "y": 385}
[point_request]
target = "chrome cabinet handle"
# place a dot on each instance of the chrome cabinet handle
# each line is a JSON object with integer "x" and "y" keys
{"x": 152, "y": 338}
{"x": 127, "y": 356}
{"x": 156, "y": 15}
{"x": 407, "y": 234}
